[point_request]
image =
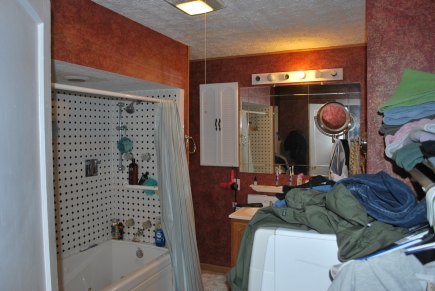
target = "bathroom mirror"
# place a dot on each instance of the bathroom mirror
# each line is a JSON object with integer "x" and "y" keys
{"x": 278, "y": 129}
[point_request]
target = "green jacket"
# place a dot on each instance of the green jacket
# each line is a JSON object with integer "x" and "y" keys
{"x": 336, "y": 211}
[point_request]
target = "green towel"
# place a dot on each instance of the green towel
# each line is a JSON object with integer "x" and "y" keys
{"x": 408, "y": 156}
{"x": 149, "y": 182}
{"x": 415, "y": 87}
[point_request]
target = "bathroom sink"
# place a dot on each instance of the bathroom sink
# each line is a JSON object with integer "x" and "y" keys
{"x": 245, "y": 213}
{"x": 269, "y": 189}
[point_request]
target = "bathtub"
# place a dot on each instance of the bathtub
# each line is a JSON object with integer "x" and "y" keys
{"x": 113, "y": 265}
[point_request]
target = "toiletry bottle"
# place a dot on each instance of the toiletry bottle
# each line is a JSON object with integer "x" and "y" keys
{"x": 290, "y": 177}
{"x": 120, "y": 231}
{"x": 132, "y": 173}
{"x": 276, "y": 177}
{"x": 159, "y": 236}
{"x": 299, "y": 179}
{"x": 255, "y": 181}
{"x": 114, "y": 229}
{"x": 143, "y": 178}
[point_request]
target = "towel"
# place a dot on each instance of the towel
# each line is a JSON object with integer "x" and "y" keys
{"x": 403, "y": 114}
{"x": 387, "y": 129}
{"x": 430, "y": 200}
{"x": 408, "y": 156}
{"x": 421, "y": 133}
{"x": 149, "y": 182}
{"x": 399, "y": 139}
{"x": 415, "y": 87}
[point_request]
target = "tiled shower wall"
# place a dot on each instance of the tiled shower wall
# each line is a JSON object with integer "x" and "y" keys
{"x": 261, "y": 139}
{"x": 261, "y": 127}
{"x": 87, "y": 130}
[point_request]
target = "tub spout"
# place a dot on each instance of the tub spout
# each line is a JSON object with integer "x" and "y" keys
{"x": 138, "y": 233}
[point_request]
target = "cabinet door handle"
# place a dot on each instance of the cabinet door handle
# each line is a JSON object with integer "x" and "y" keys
{"x": 215, "y": 124}
{"x": 219, "y": 124}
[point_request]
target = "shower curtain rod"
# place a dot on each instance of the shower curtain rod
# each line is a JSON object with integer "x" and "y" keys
{"x": 106, "y": 93}
{"x": 255, "y": 112}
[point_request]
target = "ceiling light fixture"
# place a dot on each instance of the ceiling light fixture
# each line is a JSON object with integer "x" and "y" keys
{"x": 195, "y": 7}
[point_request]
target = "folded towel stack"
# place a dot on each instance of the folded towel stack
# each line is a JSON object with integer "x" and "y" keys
{"x": 409, "y": 118}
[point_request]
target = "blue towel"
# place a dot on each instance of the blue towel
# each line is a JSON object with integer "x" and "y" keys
{"x": 403, "y": 114}
{"x": 149, "y": 182}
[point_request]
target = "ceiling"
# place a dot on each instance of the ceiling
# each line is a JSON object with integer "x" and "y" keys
{"x": 247, "y": 27}
{"x": 243, "y": 27}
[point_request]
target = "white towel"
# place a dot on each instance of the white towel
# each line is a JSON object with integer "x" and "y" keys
{"x": 430, "y": 201}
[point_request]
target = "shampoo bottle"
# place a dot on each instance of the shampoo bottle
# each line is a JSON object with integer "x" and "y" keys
{"x": 114, "y": 230}
{"x": 132, "y": 173}
{"x": 159, "y": 236}
{"x": 120, "y": 231}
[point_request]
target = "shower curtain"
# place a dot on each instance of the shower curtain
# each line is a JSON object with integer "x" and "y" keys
{"x": 176, "y": 198}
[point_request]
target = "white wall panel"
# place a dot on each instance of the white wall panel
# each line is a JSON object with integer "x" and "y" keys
{"x": 84, "y": 206}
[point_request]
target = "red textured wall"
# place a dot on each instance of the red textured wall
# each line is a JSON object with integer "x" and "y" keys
{"x": 211, "y": 203}
{"x": 401, "y": 34}
{"x": 90, "y": 35}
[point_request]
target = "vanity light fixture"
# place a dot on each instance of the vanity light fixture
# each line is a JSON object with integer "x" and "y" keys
{"x": 319, "y": 75}
{"x": 195, "y": 7}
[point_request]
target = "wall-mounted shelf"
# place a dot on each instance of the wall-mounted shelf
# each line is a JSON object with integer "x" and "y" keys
{"x": 140, "y": 187}
{"x": 268, "y": 189}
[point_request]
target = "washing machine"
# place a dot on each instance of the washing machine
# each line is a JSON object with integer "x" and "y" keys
{"x": 291, "y": 259}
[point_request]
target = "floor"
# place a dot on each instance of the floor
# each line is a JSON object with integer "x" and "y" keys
{"x": 214, "y": 281}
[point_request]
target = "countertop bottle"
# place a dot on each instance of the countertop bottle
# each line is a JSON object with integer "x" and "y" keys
{"x": 132, "y": 173}
{"x": 255, "y": 181}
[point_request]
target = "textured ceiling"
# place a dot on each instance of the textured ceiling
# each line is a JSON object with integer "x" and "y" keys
{"x": 243, "y": 27}
{"x": 246, "y": 27}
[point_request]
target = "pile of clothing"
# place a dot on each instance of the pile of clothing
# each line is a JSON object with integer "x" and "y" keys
{"x": 367, "y": 212}
{"x": 409, "y": 120}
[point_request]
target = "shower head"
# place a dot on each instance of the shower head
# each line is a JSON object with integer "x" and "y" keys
{"x": 130, "y": 108}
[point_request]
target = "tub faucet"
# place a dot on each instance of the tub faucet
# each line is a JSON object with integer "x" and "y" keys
{"x": 138, "y": 233}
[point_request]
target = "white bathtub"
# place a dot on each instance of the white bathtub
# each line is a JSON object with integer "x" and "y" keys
{"x": 113, "y": 265}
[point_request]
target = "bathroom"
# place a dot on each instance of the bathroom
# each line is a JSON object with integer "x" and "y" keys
{"x": 384, "y": 57}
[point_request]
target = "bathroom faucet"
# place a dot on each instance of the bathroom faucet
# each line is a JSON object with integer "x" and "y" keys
{"x": 138, "y": 233}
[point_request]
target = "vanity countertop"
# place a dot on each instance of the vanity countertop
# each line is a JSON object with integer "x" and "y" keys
{"x": 244, "y": 213}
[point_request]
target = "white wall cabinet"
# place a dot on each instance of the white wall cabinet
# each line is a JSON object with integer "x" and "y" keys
{"x": 219, "y": 125}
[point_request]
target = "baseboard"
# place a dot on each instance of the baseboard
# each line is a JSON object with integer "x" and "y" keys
{"x": 214, "y": 268}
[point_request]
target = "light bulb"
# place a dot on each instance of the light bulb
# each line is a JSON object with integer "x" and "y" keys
{"x": 301, "y": 75}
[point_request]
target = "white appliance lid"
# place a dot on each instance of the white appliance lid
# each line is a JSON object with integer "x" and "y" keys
{"x": 304, "y": 234}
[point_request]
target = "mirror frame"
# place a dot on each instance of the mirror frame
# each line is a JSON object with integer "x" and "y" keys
{"x": 323, "y": 128}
